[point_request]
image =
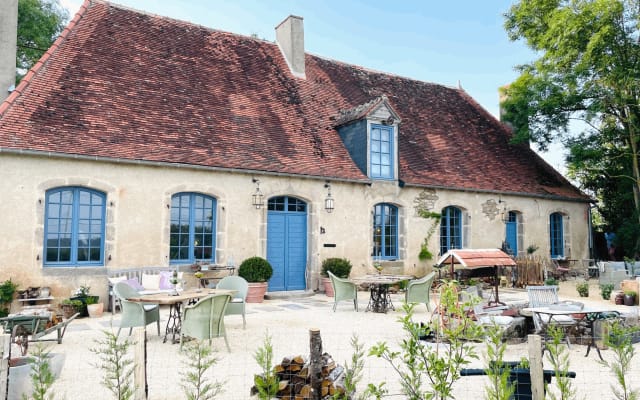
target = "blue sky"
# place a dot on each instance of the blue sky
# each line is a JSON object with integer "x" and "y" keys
{"x": 444, "y": 42}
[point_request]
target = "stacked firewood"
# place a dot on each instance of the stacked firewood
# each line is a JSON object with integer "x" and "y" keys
{"x": 294, "y": 376}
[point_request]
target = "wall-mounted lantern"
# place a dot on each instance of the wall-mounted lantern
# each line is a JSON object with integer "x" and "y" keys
{"x": 257, "y": 197}
{"x": 328, "y": 201}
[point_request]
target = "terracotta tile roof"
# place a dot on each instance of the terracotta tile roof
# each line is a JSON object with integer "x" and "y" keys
{"x": 474, "y": 258}
{"x": 128, "y": 85}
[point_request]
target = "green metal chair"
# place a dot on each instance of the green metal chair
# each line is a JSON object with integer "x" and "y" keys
{"x": 237, "y": 304}
{"x": 134, "y": 313}
{"x": 343, "y": 289}
{"x": 205, "y": 319}
{"x": 419, "y": 290}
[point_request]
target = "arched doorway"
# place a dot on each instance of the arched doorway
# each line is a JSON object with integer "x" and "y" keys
{"x": 287, "y": 243}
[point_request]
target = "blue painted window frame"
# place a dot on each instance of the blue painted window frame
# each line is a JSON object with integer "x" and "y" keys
{"x": 381, "y": 152}
{"x": 450, "y": 229}
{"x": 556, "y": 235}
{"x": 385, "y": 232}
{"x": 81, "y": 211}
{"x": 188, "y": 213}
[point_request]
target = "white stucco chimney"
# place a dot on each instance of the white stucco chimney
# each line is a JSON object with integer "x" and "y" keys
{"x": 8, "y": 40}
{"x": 290, "y": 39}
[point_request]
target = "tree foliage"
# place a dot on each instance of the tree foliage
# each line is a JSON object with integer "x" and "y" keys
{"x": 588, "y": 70}
{"x": 39, "y": 23}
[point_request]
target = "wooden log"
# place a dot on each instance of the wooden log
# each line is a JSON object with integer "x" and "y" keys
{"x": 304, "y": 372}
{"x": 305, "y": 392}
{"x": 315, "y": 363}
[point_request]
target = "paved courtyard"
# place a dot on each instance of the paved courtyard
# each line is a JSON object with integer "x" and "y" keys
{"x": 288, "y": 321}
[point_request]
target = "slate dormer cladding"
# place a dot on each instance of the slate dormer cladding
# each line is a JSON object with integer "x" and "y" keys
{"x": 354, "y": 137}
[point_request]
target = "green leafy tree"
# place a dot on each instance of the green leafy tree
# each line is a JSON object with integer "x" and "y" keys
{"x": 588, "y": 70}
{"x": 39, "y": 23}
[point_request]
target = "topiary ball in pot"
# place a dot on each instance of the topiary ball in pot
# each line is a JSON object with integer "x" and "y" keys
{"x": 255, "y": 269}
{"x": 340, "y": 267}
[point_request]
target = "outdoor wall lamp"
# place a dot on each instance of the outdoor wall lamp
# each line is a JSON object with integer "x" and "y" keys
{"x": 328, "y": 202}
{"x": 504, "y": 214}
{"x": 257, "y": 197}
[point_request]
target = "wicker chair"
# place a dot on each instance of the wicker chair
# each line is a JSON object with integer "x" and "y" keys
{"x": 419, "y": 290}
{"x": 343, "y": 289}
{"x": 237, "y": 303}
{"x": 134, "y": 313}
{"x": 205, "y": 319}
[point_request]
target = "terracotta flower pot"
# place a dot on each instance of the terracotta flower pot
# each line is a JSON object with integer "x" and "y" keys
{"x": 95, "y": 310}
{"x": 256, "y": 292}
{"x": 328, "y": 287}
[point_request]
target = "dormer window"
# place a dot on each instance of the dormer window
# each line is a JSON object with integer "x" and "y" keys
{"x": 369, "y": 132}
{"x": 381, "y": 154}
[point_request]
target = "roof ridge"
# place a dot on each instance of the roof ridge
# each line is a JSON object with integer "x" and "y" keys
{"x": 375, "y": 71}
{"x": 26, "y": 80}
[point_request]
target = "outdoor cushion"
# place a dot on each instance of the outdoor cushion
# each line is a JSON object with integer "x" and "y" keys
{"x": 116, "y": 279}
{"x": 165, "y": 280}
{"x": 133, "y": 282}
{"x": 151, "y": 281}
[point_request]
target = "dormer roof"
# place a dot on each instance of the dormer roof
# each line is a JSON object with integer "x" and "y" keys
{"x": 376, "y": 108}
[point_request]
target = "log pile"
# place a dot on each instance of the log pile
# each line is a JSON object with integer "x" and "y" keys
{"x": 294, "y": 376}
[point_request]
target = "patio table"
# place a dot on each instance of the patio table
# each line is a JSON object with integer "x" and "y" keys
{"x": 379, "y": 300}
{"x": 588, "y": 314}
{"x": 175, "y": 301}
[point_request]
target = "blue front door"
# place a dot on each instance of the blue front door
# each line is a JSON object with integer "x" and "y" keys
{"x": 287, "y": 243}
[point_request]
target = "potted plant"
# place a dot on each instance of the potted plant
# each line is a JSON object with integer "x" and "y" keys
{"x": 551, "y": 281}
{"x": 82, "y": 294}
{"x": 7, "y": 291}
{"x": 340, "y": 267}
{"x": 605, "y": 290}
{"x": 629, "y": 298}
{"x": 94, "y": 307}
{"x": 70, "y": 307}
{"x": 583, "y": 289}
{"x": 256, "y": 271}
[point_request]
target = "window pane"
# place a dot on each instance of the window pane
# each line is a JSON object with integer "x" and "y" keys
{"x": 191, "y": 227}
{"x": 385, "y": 230}
{"x": 69, "y": 222}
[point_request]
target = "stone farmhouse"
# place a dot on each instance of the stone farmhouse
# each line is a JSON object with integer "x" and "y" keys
{"x": 140, "y": 140}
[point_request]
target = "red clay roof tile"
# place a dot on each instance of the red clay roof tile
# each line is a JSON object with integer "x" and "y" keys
{"x": 129, "y": 85}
